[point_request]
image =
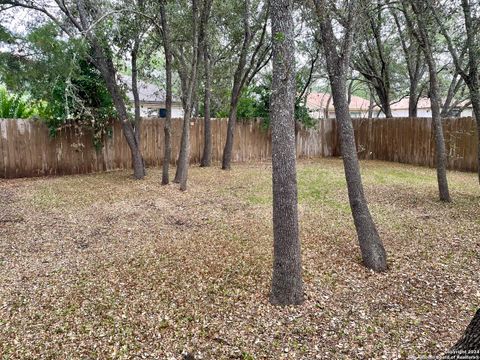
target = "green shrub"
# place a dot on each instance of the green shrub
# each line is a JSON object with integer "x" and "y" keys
{"x": 15, "y": 106}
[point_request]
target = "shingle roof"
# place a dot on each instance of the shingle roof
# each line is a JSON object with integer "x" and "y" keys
{"x": 319, "y": 101}
{"x": 147, "y": 92}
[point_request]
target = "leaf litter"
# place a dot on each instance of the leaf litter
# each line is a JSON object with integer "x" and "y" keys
{"x": 102, "y": 266}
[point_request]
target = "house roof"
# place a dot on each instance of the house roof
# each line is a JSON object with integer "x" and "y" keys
{"x": 148, "y": 92}
{"x": 319, "y": 101}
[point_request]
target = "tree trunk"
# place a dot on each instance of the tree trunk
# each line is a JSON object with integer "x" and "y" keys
{"x": 183, "y": 140}
{"x": 167, "y": 152}
{"x": 239, "y": 80}
{"x": 185, "y": 154}
{"x": 412, "y": 99}
{"x": 371, "y": 105}
{"x": 452, "y": 90}
{"x": 475, "y": 98}
{"x": 189, "y": 86}
{"x": 207, "y": 146}
{"x": 179, "y": 171}
{"x": 183, "y": 157}
{"x": 371, "y": 246}
{"x": 107, "y": 69}
{"x": 136, "y": 99}
{"x": 473, "y": 80}
{"x": 440, "y": 152}
{"x": 468, "y": 347}
{"x": 228, "y": 149}
{"x": 384, "y": 97}
{"x": 424, "y": 39}
{"x": 287, "y": 285}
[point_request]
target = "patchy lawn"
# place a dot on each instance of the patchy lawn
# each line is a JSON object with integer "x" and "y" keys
{"x": 102, "y": 266}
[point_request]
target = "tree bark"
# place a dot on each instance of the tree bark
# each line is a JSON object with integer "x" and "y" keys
{"x": 412, "y": 100}
{"x": 475, "y": 98}
{"x": 207, "y": 134}
{"x": 473, "y": 80}
{"x": 183, "y": 157}
{"x": 136, "y": 97}
{"x": 207, "y": 146}
{"x": 440, "y": 153}
{"x": 189, "y": 86}
{"x": 228, "y": 149}
{"x": 371, "y": 246}
{"x": 137, "y": 123}
{"x": 287, "y": 285}
{"x": 167, "y": 152}
{"x": 185, "y": 144}
{"x": 471, "y": 74}
{"x": 469, "y": 343}
{"x": 371, "y": 105}
{"x": 107, "y": 69}
{"x": 243, "y": 75}
{"x": 104, "y": 63}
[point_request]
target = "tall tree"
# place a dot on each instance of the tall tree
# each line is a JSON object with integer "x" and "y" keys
{"x": 85, "y": 19}
{"x": 254, "y": 54}
{"x": 374, "y": 58}
{"x": 287, "y": 285}
{"x": 129, "y": 39}
{"x": 187, "y": 66}
{"x": 414, "y": 61}
{"x": 207, "y": 136}
{"x": 136, "y": 96}
{"x": 467, "y": 41}
{"x": 418, "y": 18}
{"x": 167, "y": 151}
{"x": 337, "y": 54}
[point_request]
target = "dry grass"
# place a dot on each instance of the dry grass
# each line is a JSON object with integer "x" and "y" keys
{"x": 102, "y": 266}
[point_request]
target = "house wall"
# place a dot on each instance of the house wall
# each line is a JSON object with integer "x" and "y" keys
{"x": 151, "y": 110}
{"x": 320, "y": 114}
{"x": 403, "y": 113}
{"x": 397, "y": 113}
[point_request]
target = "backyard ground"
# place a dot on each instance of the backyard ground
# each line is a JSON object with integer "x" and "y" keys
{"x": 102, "y": 266}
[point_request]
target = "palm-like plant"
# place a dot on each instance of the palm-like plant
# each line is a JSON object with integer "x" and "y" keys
{"x": 14, "y": 106}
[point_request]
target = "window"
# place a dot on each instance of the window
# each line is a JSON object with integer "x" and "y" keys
{"x": 455, "y": 112}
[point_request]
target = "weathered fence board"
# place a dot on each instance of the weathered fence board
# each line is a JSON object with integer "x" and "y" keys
{"x": 26, "y": 149}
{"x": 411, "y": 141}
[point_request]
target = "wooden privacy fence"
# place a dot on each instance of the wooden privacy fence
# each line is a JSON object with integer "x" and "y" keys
{"x": 411, "y": 141}
{"x": 26, "y": 149}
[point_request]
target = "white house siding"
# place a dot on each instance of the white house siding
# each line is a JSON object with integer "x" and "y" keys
{"x": 467, "y": 112}
{"x": 403, "y": 113}
{"x": 152, "y": 110}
